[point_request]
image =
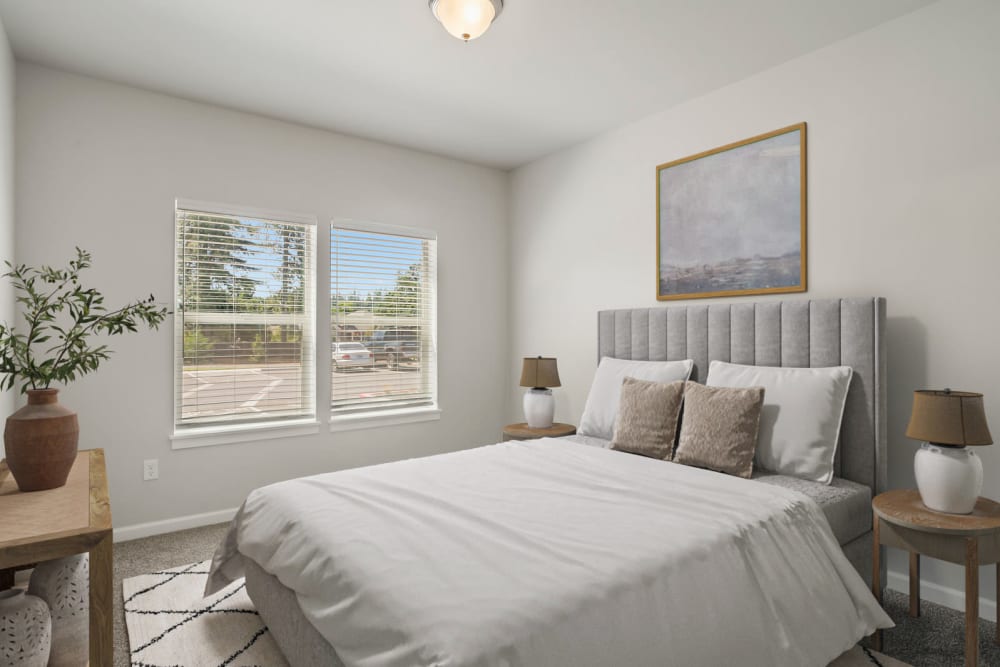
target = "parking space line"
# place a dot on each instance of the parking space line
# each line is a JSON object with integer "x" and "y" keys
{"x": 252, "y": 403}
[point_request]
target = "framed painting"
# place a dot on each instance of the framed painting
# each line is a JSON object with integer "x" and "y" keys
{"x": 732, "y": 221}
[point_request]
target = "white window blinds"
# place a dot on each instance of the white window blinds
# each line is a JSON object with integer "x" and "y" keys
{"x": 383, "y": 290}
{"x": 245, "y": 317}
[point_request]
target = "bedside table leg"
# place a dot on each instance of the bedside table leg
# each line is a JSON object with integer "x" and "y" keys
{"x": 876, "y": 576}
{"x": 914, "y": 584}
{"x": 972, "y": 602}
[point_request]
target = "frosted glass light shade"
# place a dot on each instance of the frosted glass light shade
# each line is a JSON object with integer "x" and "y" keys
{"x": 466, "y": 19}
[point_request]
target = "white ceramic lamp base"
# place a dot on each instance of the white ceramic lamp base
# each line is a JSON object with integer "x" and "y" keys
{"x": 949, "y": 478}
{"x": 539, "y": 408}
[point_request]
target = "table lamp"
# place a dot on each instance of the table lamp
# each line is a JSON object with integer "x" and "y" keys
{"x": 539, "y": 373}
{"x": 949, "y": 476}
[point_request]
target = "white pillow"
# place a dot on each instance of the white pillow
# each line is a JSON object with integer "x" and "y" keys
{"x": 800, "y": 422}
{"x": 599, "y": 413}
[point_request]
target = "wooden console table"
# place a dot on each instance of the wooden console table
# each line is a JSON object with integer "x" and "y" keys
{"x": 43, "y": 525}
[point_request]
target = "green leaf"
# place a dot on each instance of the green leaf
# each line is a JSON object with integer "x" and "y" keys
{"x": 68, "y": 312}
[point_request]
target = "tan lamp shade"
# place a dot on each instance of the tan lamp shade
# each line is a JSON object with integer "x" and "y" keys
{"x": 540, "y": 372}
{"x": 949, "y": 417}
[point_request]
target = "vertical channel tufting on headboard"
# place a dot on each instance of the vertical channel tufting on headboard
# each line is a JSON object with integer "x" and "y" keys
{"x": 794, "y": 333}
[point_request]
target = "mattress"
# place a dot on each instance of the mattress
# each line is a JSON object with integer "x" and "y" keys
{"x": 545, "y": 552}
{"x": 847, "y": 505}
{"x": 301, "y": 643}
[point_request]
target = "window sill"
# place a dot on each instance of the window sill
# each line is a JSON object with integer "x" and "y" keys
{"x": 384, "y": 418}
{"x": 209, "y": 436}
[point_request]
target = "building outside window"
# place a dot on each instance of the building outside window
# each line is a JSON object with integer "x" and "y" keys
{"x": 383, "y": 291}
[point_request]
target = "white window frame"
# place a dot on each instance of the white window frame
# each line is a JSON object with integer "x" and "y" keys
{"x": 391, "y": 416}
{"x": 220, "y": 434}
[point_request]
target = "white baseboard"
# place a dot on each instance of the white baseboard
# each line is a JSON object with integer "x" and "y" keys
{"x": 943, "y": 595}
{"x": 151, "y": 528}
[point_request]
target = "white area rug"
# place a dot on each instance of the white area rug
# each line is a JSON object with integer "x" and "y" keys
{"x": 171, "y": 625}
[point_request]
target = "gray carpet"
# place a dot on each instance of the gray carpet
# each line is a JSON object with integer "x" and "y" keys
{"x": 936, "y": 639}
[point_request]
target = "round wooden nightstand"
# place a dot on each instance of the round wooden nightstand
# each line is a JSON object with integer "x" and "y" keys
{"x": 524, "y": 432}
{"x": 901, "y": 520}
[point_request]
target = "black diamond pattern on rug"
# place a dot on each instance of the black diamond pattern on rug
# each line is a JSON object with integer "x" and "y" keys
{"x": 171, "y": 625}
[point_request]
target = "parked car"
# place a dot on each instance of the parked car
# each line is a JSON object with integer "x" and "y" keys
{"x": 351, "y": 355}
{"x": 395, "y": 346}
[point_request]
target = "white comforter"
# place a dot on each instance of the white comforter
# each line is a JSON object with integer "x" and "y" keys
{"x": 551, "y": 553}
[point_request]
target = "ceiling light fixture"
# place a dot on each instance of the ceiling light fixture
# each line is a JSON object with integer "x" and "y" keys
{"x": 466, "y": 19}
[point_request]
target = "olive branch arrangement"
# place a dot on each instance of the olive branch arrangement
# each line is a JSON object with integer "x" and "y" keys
{"x": 62, "y": 313}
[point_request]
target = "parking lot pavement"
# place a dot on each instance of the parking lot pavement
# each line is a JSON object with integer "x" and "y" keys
{"x": 276, "y": 387}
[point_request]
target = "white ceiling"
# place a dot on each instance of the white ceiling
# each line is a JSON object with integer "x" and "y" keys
{"x": 548, "y": 74}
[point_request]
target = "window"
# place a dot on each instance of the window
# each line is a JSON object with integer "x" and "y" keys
{"x": 245, "y": 319}
{"x": 383, "y": 286}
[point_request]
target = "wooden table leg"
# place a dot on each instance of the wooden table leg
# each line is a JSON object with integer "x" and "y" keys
{"x": 914, "y": 584}
{"x": 876, "y": 575}
{"x": 101, "y": 592}
{"x": 996, "y": 637}
{"x": 7, "y": 578}
{"x": 971, "y": 602}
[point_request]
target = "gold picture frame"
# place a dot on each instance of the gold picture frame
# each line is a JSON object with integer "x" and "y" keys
{"x": 731, "y": 221}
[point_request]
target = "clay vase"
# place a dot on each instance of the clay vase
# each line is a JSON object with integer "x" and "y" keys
{"x": 40, "y": 440}
{"x": 25, "y": 630}
{"x": 64, "y": 584}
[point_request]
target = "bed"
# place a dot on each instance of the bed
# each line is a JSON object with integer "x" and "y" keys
{"x": 559, "y": 551}
{"x": 792, "y": 333}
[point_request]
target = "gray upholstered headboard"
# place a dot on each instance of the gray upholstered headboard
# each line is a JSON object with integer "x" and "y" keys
{"x": 802, "y": 333}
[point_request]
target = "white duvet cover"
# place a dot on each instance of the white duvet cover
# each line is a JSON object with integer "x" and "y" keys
{"x": 550, "y": 553}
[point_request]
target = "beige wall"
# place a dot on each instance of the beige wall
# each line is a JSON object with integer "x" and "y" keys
{"x": 99, "y": 166}
{"x": 904, "y": 202}
{"x": 6, "y": 191}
